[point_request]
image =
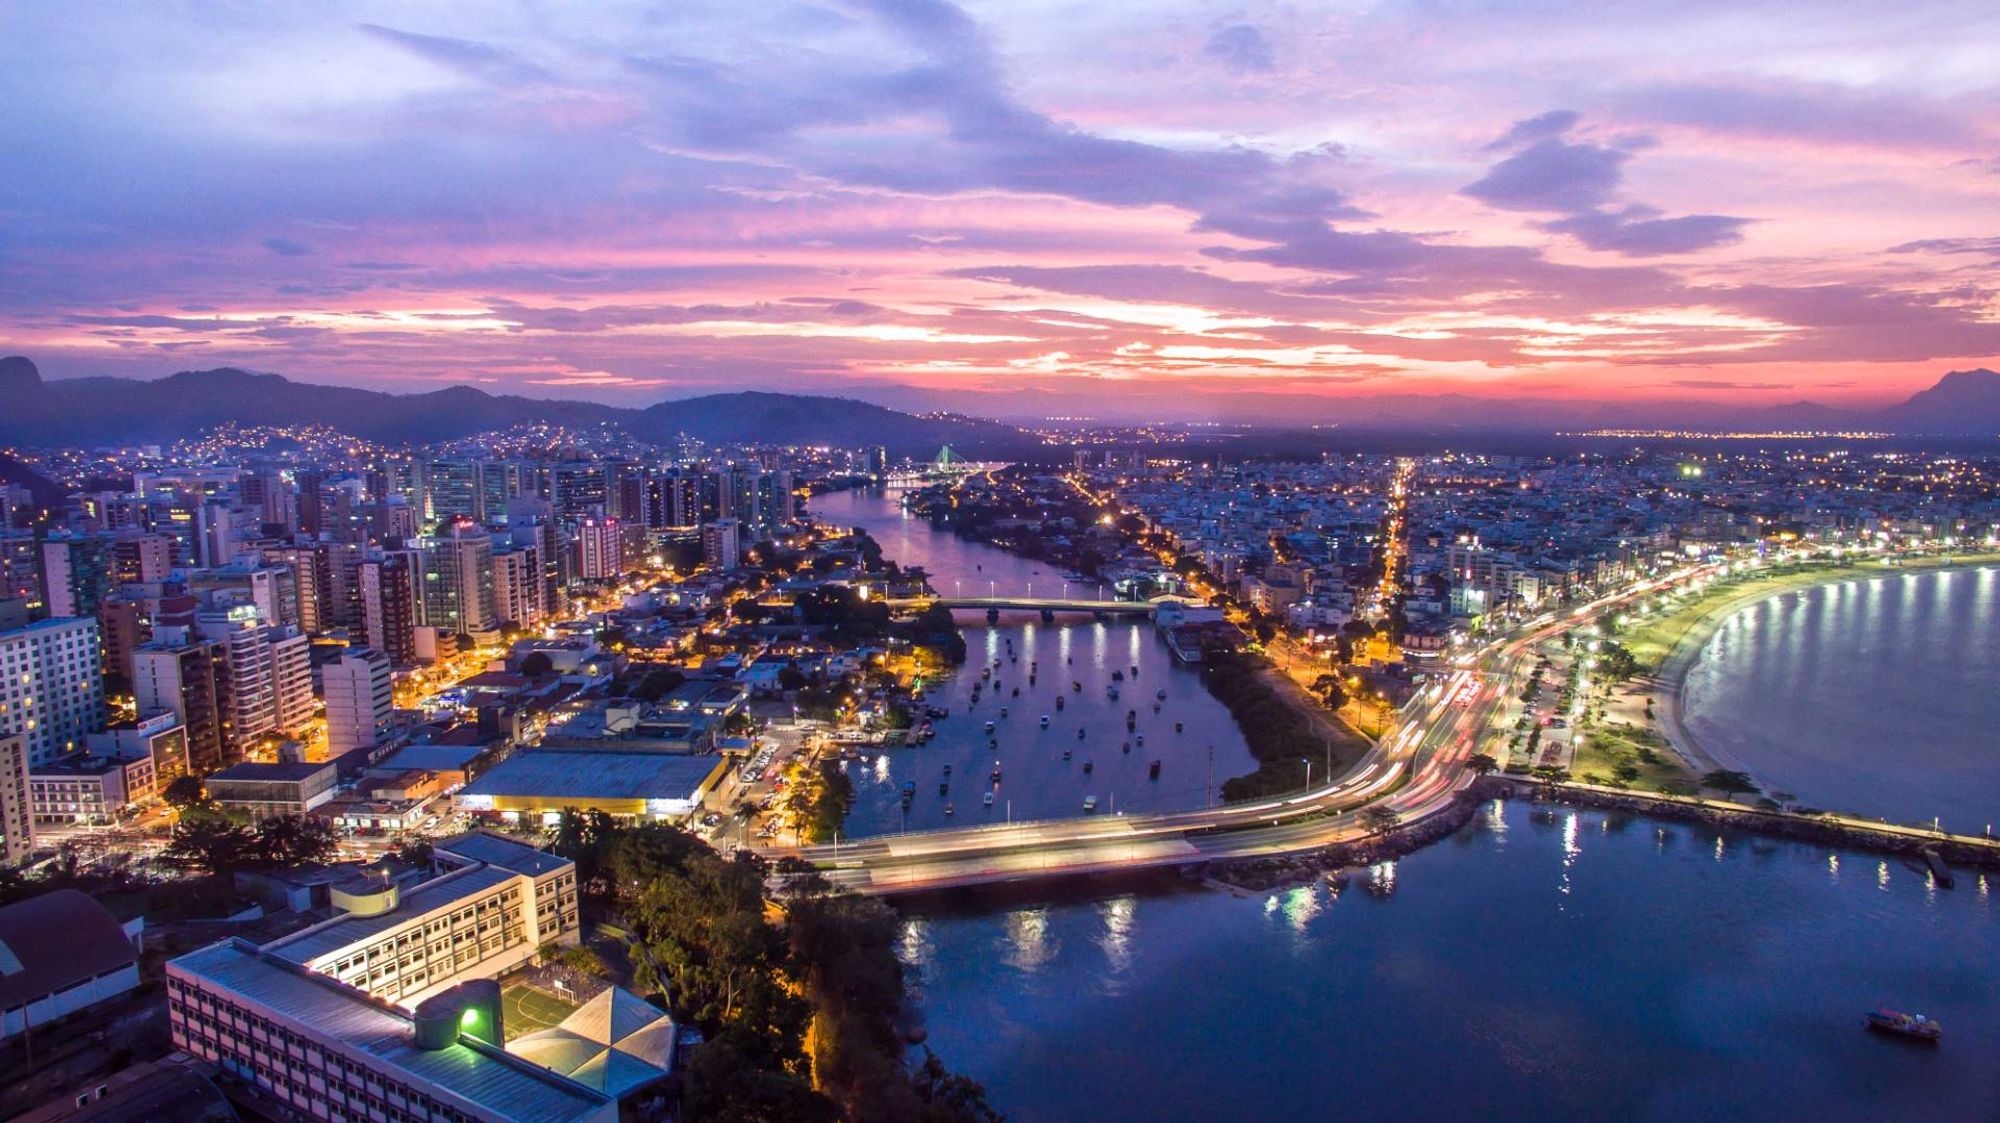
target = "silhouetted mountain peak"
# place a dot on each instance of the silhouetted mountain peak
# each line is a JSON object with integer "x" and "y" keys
{"x": 18, "y": 374}
{"x": 1963, "y": 401}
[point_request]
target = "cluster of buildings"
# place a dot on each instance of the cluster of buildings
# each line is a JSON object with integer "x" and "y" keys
{"x": 248, "y": 606}
{"x": 1435, "y": 546}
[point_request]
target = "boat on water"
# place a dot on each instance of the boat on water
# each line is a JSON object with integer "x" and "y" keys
{"x": 1900, "y": 1024}
{"x": 1090, "y": 803}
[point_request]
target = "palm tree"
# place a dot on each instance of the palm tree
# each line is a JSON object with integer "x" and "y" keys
{"x": 1482, "y": 763}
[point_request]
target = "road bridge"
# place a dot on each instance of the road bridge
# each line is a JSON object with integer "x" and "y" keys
{"x": 1415, "y": 772}
{"x": 1027, "y": 604}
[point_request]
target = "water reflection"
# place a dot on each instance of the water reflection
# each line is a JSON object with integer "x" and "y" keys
{"x": 1029, "y": 945}
{"x": 1119, "y": 915}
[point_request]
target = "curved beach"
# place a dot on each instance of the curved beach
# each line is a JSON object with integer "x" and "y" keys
{"x": 1669, "y": 682}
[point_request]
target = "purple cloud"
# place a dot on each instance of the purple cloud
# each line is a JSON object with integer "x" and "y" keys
{"x": 1545, "y": 126}
{"x": 1550, "y": 175}
{"x": 1638, "y": 231}
{"x": 1242, "y": 49}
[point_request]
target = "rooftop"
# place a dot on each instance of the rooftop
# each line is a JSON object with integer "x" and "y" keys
{"x": 498, "y": 850}
{"x": 54, "y": 941}
{"x": 329, "y": 1010}
{"x": 583, "y": 774}
{"x": 347, "y": 930}
{"x": 287, "y": 770}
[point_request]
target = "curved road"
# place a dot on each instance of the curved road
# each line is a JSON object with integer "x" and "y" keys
{"x": 1415, "y": 772}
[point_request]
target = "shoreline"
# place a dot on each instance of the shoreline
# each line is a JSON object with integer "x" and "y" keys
{"x": 1668, "y": 682}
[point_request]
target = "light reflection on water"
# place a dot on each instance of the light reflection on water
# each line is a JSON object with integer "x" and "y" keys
{"x": 1870, "y": 696}
{"x": 1653, "y": 989}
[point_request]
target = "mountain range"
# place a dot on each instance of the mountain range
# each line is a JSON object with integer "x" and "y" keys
{"x": 98, "y": 411}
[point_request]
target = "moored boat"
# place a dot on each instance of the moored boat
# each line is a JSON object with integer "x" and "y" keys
{"x": 1905, "y": 1025}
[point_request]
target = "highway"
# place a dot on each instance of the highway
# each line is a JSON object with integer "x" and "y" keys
{"x": 1415, "y": 771}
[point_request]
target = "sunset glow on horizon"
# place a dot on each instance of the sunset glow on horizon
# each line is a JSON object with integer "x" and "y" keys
{"x": 1004, "y": 206}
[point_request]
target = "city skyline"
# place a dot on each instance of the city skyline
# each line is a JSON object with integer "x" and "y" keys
{"x": 917, "y": 202}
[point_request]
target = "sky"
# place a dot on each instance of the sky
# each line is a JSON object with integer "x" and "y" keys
{"x": 1011, "y": 207}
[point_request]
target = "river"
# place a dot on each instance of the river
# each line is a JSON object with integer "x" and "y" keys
{"x": 1547, "y": 964}
{"x": 1043, "y": 769}
{"x": 1874, "y": 696}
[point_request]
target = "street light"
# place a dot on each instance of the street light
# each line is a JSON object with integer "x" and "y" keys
{"x": 1307, "y": 761}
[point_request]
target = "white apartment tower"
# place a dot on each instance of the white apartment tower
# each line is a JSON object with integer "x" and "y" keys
{"x": 359, "y": 699}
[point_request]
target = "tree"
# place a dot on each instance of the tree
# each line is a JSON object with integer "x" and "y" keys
{"x": 184, "y": 792}
{"x": 951, "y": 1095}
{"x": 658, "y": 683}
{"x": 210, "y": 844}
{"x": 1482, "y": 763}
{"x": 1733, "y": 783}
{"x": 286, "y": 841}
{"x": 1379, "y": 819}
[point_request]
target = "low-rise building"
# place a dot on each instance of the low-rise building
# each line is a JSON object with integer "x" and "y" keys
{"x": 265, "y": 790}
{"x": 540, "y": 784}
{"x": 88, "y": 789}
{"x": 331, "y": 1051}
{"x": 62, "y": 952}
{"x": 403, "y": 941}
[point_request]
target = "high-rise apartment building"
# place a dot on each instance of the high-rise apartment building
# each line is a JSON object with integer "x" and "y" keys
{"x": 452, "y": 491}
{"x": 458, "y": 580}
{"x": 721, "y": 544}
{"x": 359, "y": 699}
{"x": 520, "y": 595}
{"x": 76, "y": 573}
{"x": 389, "y": 600}
{"x": 178, "y": 673}
{"x": 51, "y": 686}
{"x": 17, "y": 832}
{"x": 600, "y": 547}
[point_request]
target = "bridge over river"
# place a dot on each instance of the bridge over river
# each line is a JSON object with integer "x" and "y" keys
{"x": 1415, "y": 772}
{"x": 1029, "y": 604}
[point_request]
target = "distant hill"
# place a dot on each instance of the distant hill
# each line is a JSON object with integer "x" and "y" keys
{"x": 1963, "y": 403}
{"x": 752, "y": 416}
{"x": 95, "y": 411}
